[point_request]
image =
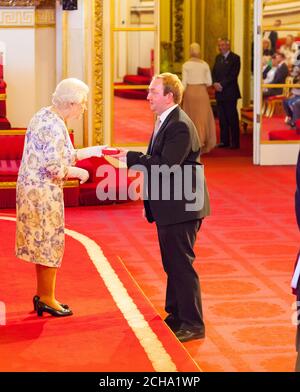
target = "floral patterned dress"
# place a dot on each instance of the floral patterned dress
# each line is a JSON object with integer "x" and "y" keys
{"x": 48, "y": 151}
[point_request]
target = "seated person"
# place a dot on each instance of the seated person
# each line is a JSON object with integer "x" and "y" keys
{"x": 269, "y": 69}
{"x": 273, "y": 35}
{"x": 289, "y": 49}
{"x": 279, "y": 76}
{"x": 296, "y": 113}
{"x": 289, "y": 103}
{"x": 266, "y": 45}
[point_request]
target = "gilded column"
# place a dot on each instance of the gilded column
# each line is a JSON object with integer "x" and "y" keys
{"x": 248, "y": 39}
{"x": 98, "y": 72}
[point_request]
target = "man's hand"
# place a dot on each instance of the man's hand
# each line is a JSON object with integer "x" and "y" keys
{"x": 218, "y": 87}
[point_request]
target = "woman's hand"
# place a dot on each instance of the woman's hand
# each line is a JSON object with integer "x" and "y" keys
{"x": 88, "y": 152}
{"x": 77, "y": 172}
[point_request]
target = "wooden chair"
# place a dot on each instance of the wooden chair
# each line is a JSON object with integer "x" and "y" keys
{"x": 274, "y": 102}
{"x": 247, "y": 118}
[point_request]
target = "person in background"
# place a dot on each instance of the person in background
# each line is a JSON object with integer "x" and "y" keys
{"x": 269, "y": 71}
{"x": 272, "y": 35}
{"x": 174, "y": 145}
{"x": 296, "y": 115}
{"x": 267, "y": 49}
{"x": 289, "y": 103}
{"x": 225, "y": 77}
{"x": 279, "y": 76}
{"x": 196, "y": 77}
{"x": 48, "y": 160}
{"x": 289, "y": 49}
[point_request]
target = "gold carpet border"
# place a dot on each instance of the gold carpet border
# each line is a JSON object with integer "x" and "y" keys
{"x": 160, "y": 359}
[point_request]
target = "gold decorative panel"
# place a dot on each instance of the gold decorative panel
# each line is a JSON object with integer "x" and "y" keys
{"x": 216, "y": 17}
{"x": 17, "y": 17}
{"x": 98, "y": 72}
{"x": 28, "y": 3}
{"x": 45, "y": 17}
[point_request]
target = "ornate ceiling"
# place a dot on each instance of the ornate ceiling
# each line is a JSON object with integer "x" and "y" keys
{"x": 28, "y": 3}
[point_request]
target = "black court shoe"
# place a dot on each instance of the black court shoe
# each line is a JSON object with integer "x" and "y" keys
{"x": 36, "y": 298}
{"x": 41, "y": 307}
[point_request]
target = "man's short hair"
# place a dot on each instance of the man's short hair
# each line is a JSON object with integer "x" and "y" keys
{"x": 172, "y": 84}
{"x": 281, "y": 54}
{"x": 224, "y": 39}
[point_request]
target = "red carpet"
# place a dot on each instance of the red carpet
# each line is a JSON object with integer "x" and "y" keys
{"x": 275, "y": 123}
{"x": 98, "y": 337}
{"x": 133, "y": 122}
{"x": 245, "y": 255}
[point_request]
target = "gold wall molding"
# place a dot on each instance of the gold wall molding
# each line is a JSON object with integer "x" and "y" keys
{"x": 17, "y": 17}
{"x": 217, "y": 17}
{"x": 44, "y": 17}
{"x": 98, "y": 71}
{"x": 247, "y": 57}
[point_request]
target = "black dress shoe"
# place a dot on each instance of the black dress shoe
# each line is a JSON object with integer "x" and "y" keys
{"x": 41, "y": 307}
{"x": 222, "y": 145}
{"x": 185, "y": 335}
{"x": 291, "y": 123}
{"x": 36, "y": 298}
{"x": 172, "y": 322}
{"x": 234, "y": 147}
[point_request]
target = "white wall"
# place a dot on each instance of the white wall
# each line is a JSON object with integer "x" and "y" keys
{"x": 279, "y": 153}
{"x": 29, "y": 68}
{"x": 132, "y": 49}
{"x": 19, "y": 74}
{"x": 70, "y": 36}
{"x": 45, "y": 66}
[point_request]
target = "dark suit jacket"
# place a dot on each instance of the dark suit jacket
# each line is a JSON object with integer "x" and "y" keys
{"x": 297, "y": 194}
{"x": 273, "y": 37}
{"x": 297, "y": 208}
{"x": 279, "y": 78}
{"x": 176, "y": 143}
{"x": 226, "y": 73}
{"x": 265, "y": 72}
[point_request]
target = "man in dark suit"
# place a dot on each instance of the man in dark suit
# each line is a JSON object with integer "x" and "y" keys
{"x": 225, "y": 77}
{"x": 280, "y": 75}
{"x": 175, "y": 144}
{"x": 297, "y": 289}
{"x": 273, "y": 35}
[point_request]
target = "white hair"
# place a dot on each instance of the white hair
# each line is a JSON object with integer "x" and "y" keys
{"x": 195, "y": 49}
{"x": 70, "y": 90}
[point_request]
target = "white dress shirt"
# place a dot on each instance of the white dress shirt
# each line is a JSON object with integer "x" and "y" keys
{"x": 196, "y": 72}
{"x": 161, "y": 118}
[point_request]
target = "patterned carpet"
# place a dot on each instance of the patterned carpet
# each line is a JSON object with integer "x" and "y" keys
{"x": 245, "y": 255}
{"x": 114, "y": 328}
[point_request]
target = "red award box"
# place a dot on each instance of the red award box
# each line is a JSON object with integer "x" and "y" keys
{"x": 110, "y": 151}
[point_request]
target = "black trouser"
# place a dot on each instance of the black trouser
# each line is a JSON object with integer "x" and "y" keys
{"x": 229, "y": 122}
{"x": 183, "y": 298}
{"x": 297, "y": 367}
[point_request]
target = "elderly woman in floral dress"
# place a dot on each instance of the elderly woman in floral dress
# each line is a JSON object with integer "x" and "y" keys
{"x": 47, "y": 161}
